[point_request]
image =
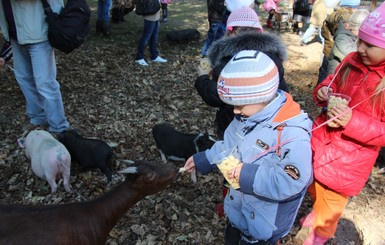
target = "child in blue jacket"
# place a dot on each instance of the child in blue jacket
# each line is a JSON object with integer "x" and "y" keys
{"x": 272, "y": 136}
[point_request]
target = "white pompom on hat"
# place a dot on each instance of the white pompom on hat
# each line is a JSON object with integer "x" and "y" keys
{"x": 250, "y": 77}
{"x": 244, "y": 16}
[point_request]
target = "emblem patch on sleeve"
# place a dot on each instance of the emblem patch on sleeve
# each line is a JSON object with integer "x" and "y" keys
{"x": 262, "y": 144}
{"x": 292, "y": 171}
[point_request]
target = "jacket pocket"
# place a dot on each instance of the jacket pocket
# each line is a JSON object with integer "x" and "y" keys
{"x": 260, "y": 217}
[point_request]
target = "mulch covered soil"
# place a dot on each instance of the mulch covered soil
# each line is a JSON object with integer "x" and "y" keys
{"x": 108, "y": 96}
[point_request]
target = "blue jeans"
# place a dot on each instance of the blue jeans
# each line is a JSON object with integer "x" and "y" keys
{"x": 104, "y": 7}
{"x": 35, "y": 72}
{"x": 216, "y": 31}
{"x": 150, "y": 34}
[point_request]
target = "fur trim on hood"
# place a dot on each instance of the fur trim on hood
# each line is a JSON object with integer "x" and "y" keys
{"x": 225, "y": 48}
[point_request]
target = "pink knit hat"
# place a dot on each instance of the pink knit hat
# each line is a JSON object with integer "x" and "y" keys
{"x": 372, "y": 30}
{"x": 250, "y": 77}
{"x": 244, "y": 16}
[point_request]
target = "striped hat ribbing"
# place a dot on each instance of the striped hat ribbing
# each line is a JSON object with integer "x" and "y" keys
{"x": 250, "y": 77}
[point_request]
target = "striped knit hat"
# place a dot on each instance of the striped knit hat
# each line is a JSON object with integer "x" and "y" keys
{"x": 250, "y": 77}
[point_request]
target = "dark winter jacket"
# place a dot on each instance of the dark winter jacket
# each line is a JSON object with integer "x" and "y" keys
{"x": 215, "y": 9}
{"x": 221, "y": 52}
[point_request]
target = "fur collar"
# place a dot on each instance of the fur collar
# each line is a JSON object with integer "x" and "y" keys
{"x": 225, "y": 48}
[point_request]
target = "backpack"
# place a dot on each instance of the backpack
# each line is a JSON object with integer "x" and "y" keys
{"x": 147, "y": 7}
{"x": 68, "y": 29}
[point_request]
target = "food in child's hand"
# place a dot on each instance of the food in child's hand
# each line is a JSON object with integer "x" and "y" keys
{"x": 204, "y": 63}
{"x": 333, "y": 101}
{"x": 183, "y": 169}
{"x": 228, "y": 164}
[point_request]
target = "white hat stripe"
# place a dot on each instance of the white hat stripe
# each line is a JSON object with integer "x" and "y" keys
{"x": 250, "y": 77}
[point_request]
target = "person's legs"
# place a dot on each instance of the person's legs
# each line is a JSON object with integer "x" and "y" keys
{"x": 328, "y": 207}
{"x": 100, "y": 9}
{"x": 44, "y": 71}
{"x": 164, "y": 12}
{"x": 24, "y": 76}
{"x": 256, "y": 7}
{"x": 232, "y": 234}
{"x": 208, "y": 41}
{"x": 220, "y": 32}
{"x": 306, "y": 23}
{"x": 154, "y": 40}
{"x": 42, "y": 90}
{"x": 321, "y": 37}
{"x": 148, "y": 28}
{"x": 106, "y": 17}
{"x": 323, "y": 70}
{"x": 308, "y": 33}
{"x": 211, "y": 37}
{"x": 269, "y": 21}
{"x": 106, "y": 7}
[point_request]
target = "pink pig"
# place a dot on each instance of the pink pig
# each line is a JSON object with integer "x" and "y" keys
{"x": 49, "y": 158}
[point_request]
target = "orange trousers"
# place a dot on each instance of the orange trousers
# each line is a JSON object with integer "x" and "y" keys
{"x": 328, "y": 206}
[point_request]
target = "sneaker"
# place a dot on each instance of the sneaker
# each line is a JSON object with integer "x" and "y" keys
{"x": 308, "y": 220}
{"x": 314, "y": 239}
{"x": 141, "y": 62}
{"x": 159, "y": 59}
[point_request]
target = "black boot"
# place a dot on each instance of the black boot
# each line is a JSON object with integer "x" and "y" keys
{"x": 106, "y": 29}
{"x": 99, "y": 26}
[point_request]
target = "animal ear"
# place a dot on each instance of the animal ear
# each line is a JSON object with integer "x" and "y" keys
{"x": 129, "y": 170}
{"x": 21, "y": 142}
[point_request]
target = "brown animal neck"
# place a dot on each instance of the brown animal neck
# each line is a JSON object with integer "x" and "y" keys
{"x": 110, "y": 207}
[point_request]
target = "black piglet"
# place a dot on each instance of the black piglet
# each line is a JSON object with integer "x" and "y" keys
{"x": 179, "y": 146}
{"x": 88, "y": 153}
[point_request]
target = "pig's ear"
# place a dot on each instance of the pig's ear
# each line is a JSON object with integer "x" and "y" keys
{"x": 21, "y": 142}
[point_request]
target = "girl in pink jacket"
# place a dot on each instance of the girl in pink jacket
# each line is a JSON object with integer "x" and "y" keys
{"x": 343, "y": 156}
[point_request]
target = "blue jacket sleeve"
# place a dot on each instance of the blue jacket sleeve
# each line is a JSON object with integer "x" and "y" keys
{"x": 202, "y": 164}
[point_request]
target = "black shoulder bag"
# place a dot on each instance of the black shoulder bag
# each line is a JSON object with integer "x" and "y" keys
{"x": 68, "y": 29}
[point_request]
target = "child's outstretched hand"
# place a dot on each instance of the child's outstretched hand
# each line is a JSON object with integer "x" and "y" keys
{"x": 322, "y": 93}
{"x": 190, "y": 165}
{"x": 343, "y": 113}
